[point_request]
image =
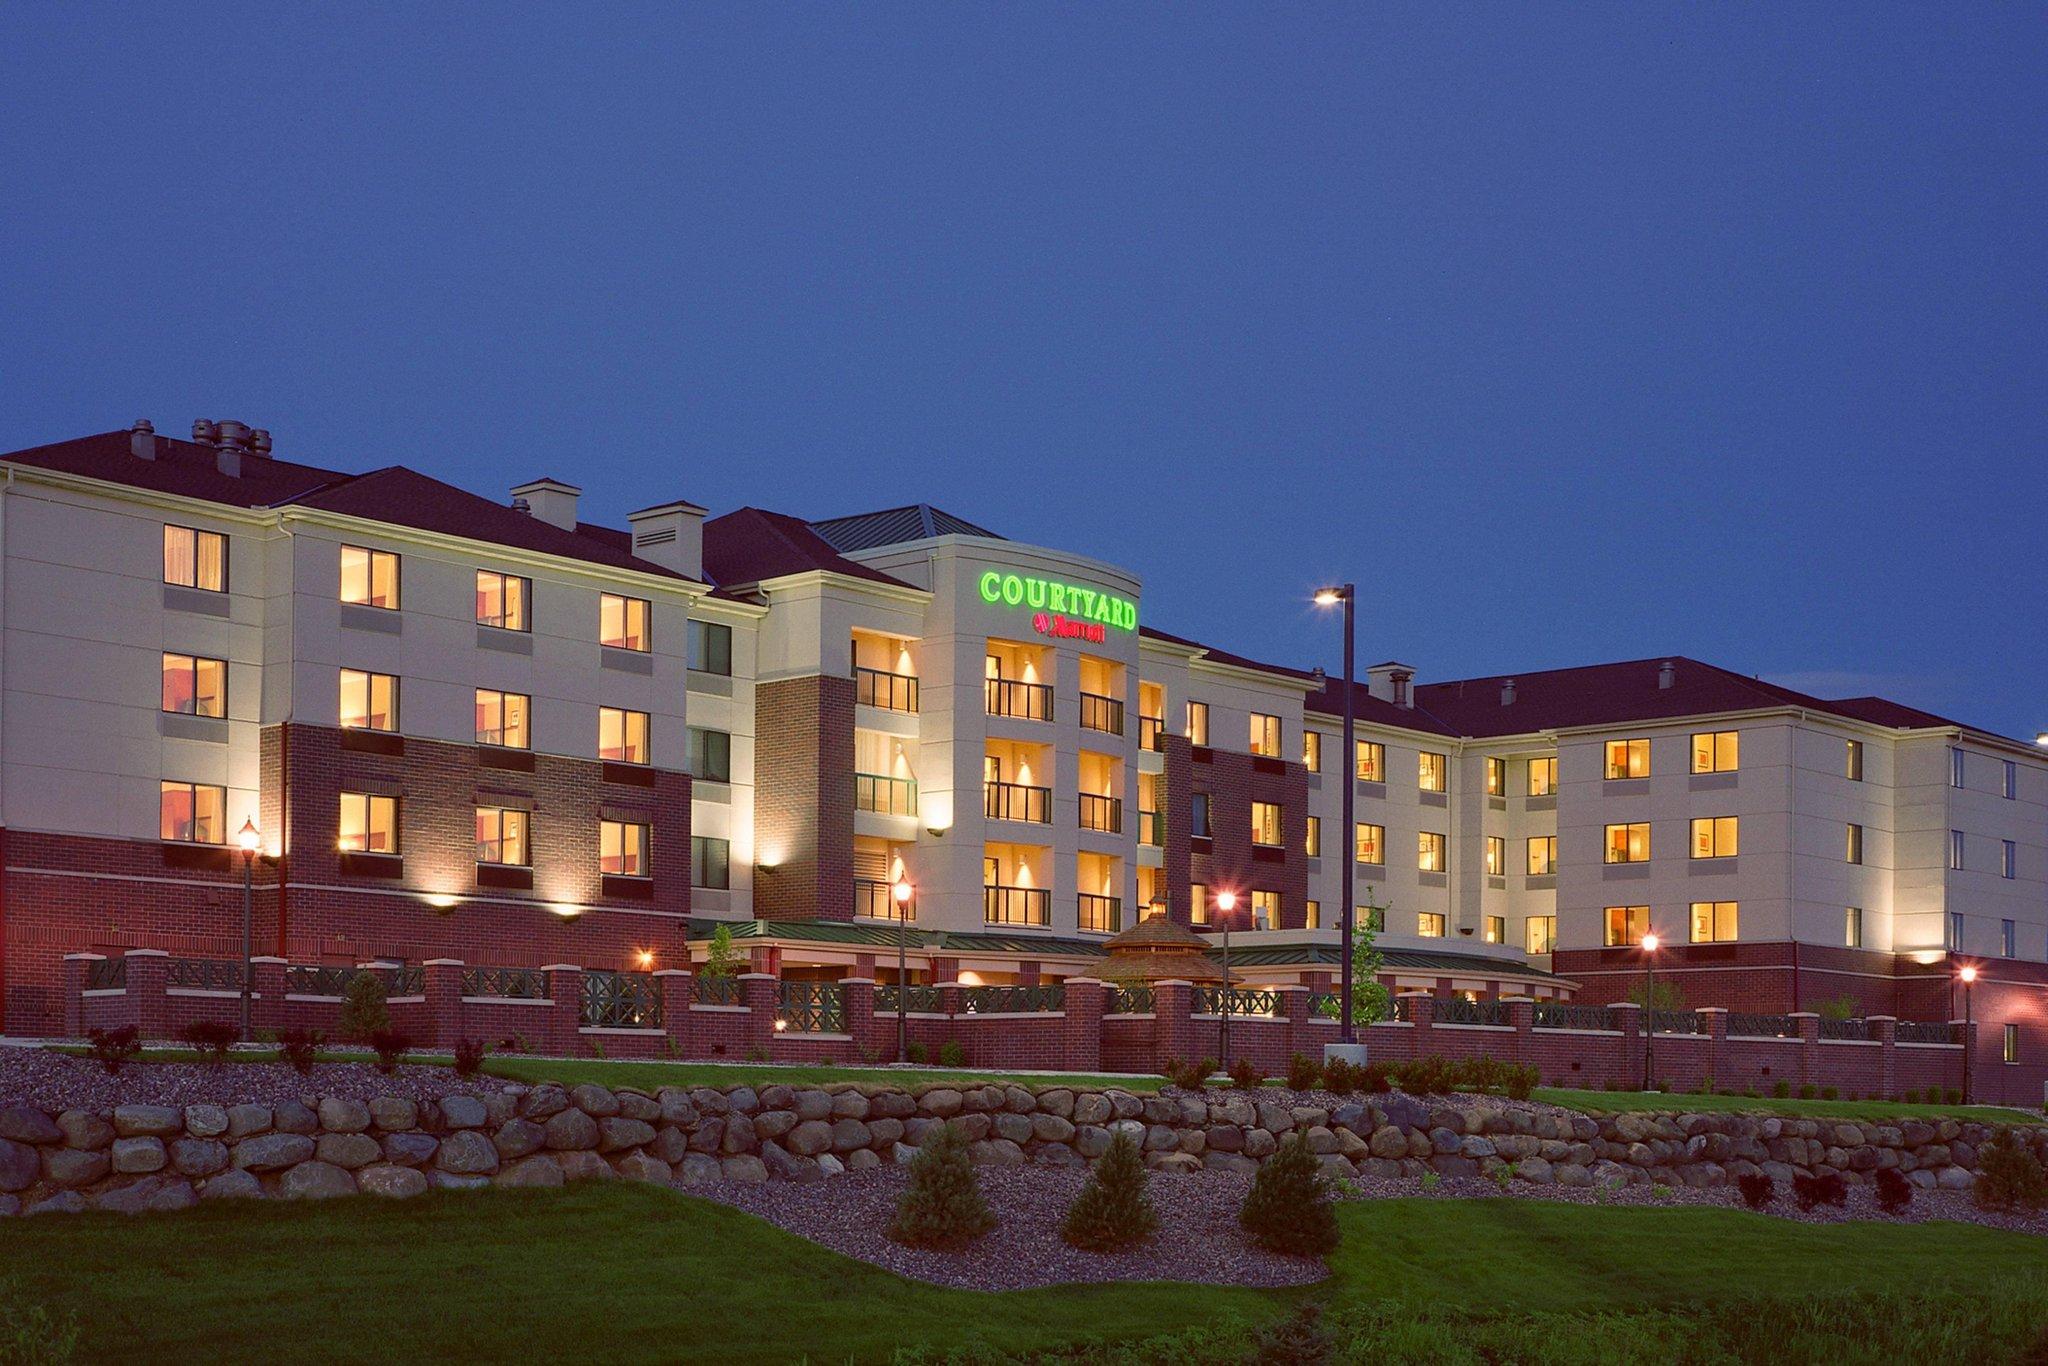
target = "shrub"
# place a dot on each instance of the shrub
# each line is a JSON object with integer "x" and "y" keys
{"x": 1827, "y": 1093}
{"x": 1837, "y": 1010}
{"x": 916, "y": 1052}
{"x": 1303, "y": 1074}
{"x": 942, "y": 1206}
{"x": 1427, "y": 1076}
{"x": 721, "y": 959}
{"x": 1112, "y": 1210}
{"x": 1758, "y": 1189}
{"x": 390, "y": 1045}
{"x": 1781, "y": 1089}
{"x": 1954, "y": 1095}
{"x": 1298, "y": 1340}
{"x": 1807, "y": 1091}
{"x": 1375, "y": 1077}
{"x": 951, "y": 1054}
{"x": 1188, "y": 1076}
{"x": 300, "y": 1048}
{"x": 1340, "y": 1078}
{"x": 1520, "y": 1081}
{"x": 363, "y": 1011}
{"x": 2009, "y": 1177}
{"x": 112, "y": 1048}
{"x": 469, "y": 1057}
{"x": 30, "y": 1334}
{"x": 1894, "y": 1192}
{"x": 1246, "y": 1076}
{"x": 1912, "y": 1096}
{"x": 212, "y": 1037}
{"x": 1822, "y": 1188}
{"x": 1289, "y": 1210}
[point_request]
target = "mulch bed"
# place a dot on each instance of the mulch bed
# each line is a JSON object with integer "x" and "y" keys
{"x": 57, "y": 1082}
{"x": 1198, "y": 1238}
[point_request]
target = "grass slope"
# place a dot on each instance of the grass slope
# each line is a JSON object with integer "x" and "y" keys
{"x": 1609, "y": 1102}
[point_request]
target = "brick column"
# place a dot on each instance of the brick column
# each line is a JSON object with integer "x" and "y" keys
{"x": 148, "y": 974}
{"x": 1628, "y": 1018}
{"x": 443, "y": 1013}
{"x": 1173, "y": 1032}
{"x": 76, "y": 967}
{"x": 565, "y": 989}
{"x": 1716, "y": 1018}
{"x": 1809, "y": 1046}
{"x": 1422, "y": 1015}
{"x": 1294, "y": 1009}
{"x": 266, "y": 981}
{"x": 759, "y": 992}
{"x": 857, "y": 999}
{"x": 952, "y": 1000}
{"x": 1522, "y": 1018}
{"x": 678, "y": 990}
{"x": 1885, "y": 1029}
{"x": 1081, "y": 1034}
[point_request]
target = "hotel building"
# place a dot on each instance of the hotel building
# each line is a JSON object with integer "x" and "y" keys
{"x": 486, "y": 729}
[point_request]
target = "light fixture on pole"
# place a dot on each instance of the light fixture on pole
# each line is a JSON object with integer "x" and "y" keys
{"x": 902, "y": 891}
{"x": 1968, "y": 976}
{"x": 1347, "y": 1037}
{"x": 1226, "y": 904}
{"x": 1650, "y": 943}
{"x": 248, "y": 839}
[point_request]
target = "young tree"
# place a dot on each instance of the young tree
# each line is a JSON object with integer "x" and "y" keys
{"x": 363, "y": 1011}
{"x": 1662, "y": 996}
{"x": 942, "y": 1205}
{"x": 1112, "y": 1210}
{"x": 1288, "y": 1210}
{"x": 1371, "y": 1001}
{"x": 722, "y": 960}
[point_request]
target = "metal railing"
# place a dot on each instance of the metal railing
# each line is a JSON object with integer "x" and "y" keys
{"x": 1457, "y": 1010}
{"x": 203, "y": 974}
{"x": 1925, "y": 1031}
{"x": 1675, "y": 1022}
{"x": 1101, "y": 713}
{"x": 1012, "y": 1000}
{"x": 1744, "y": 1024}
{"x": 1016, "y": 906}
{"x": 875, "y": 899}
{"x": 1564, "y": 1015}
{"x": 1243, "y": 1001}
{"x": 107, "y": 974}
{"x": 1128, "y": 1001}
{"x": 1855, "y": 1030}
{"x": 890, "y": 796}
{"x": 1152, "y": 828}
{"x": 1103, "y": 814}
{"x": 926, "y": 1000}
{"x": 621, "y": 1000}
{"x": 880, "y": 688}
{"x": 1152, "y": 733}
{"x": 306, "y": 979}
{"x": 513, "y": 984}
{"x": 1008, "y": 697}
{"x": 1099, "y": 914}
{"x": 1016, "y": 802}
{"x": 812, "y": 1007}
{"x": 1326, "y": 1005}
{"x": 719, "y": 991}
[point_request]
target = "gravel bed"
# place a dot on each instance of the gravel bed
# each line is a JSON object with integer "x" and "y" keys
{"x": 57, "y": 1082}
{"x": 1197, "y": 1213}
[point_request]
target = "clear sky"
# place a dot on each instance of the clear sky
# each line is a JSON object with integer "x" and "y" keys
{"x": 1572, "y": 333}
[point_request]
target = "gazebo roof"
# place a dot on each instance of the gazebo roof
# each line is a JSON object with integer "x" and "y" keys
{"x": 1158, "y": 950}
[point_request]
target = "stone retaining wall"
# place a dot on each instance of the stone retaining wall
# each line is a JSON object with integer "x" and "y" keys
{"x": 147, "y": 1157}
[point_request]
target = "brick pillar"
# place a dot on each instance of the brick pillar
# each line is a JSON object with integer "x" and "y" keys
{"x": 678, "y": 990}
{"x": 1422, "y": 1015}
{"x": 565, "y": 989}
{"x": 1294, "y": 1009}
{"x": 1885, "y": 1029}
{"x": 266, "y": 981}
{"x": 857, "y": 999}
{"x": 76, "y": 968}
{"x": 1173, "y": 1032}
{"x": 443, "y": 1013}
{"x": 1716, "y": 1018}
{"x": 1522, "y": 1019}
{"x": 1809, "y": 1046}
{"x": 952, "y": 1000}
{"x": 1081, "y": 1035}
{"x": 1628, "y": 1018}
{"x": 148, "y": 974}
{"x": 760, "y": 993}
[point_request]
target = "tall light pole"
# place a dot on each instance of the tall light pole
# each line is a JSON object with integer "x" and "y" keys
{"x": 1650, "y": 942}
{"x": 1226, "y": 903}
{"x": 1968, "y": 975}
{"x": 1330, "y": 597}
{"x": 248, "y": 838}
{"x": 902, "y": 891}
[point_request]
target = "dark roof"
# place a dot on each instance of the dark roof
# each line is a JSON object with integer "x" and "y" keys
{"x": 884, "y": 936}
{"x": 753, "y": 544}
{"x": 894, "y": 526}
{"x": 1402, "y": 960}
{"x": 1211, "y": 653}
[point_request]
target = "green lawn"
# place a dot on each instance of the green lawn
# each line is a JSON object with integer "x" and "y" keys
{"x": 621, "y": 1272}
{"x": 651, "y": 1075}
{"x": 1608, "y": 1102}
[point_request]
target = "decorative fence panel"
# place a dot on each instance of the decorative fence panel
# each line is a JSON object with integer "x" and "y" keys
{"x": 1564, "y": 1015}
{"x": 1925, "y": 1031}
{"x": 516, "y": 984}
{"x": 1858, "y": 1030}
{"x": 1675, "y": 1022}
{"x": 1012, "y": 1000}
{"x": 310, "y": 980}
{"x": 719, "y": 991}
{"x": 108, "y": 974}
{"x": 925, "y": 1000}
{"x": 1744, "y": 1025}
{"x": 1242, "y": 1000}
{"x": 621, "y": 1000}
{"x": 1456, "y": 1010}
{"x": 812, "y": 1007}
{"x": 202, "y": 974}
{"x": 1129, "y": 1001}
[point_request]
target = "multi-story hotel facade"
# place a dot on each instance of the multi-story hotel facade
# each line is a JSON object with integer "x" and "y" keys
{"x": 458, "y": 726}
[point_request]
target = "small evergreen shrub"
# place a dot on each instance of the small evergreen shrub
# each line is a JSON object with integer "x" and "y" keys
{"x": 1188, "y": 1076}
{"x": 1913, "y": 1095}
{"x": 390, "y": 1045}
{"x": 211, "y": 1037}
{"x": 1807, "y": 1091}
{"x": 1827, "y": 1093}
{"x": 300, "y": 1048}
{"x": 2009, "y": 1177}
{"x": 1303, "y": 1074}
{"x": 1894, "y": 1192}
{"x": 1781, "y": 1089}
{"x": 1427, "y": 1076}
{"x": 1954, "y": 1095}
{"x": 469, "y": 1057}
{"x": 1112, "y": 1211}
{"x": 363, "y": 1008}
{"x": 1376, "y": 1078}
{"x": 951, "y": 1054}
{"x": 1289, "y": 1210}
{"x": 1520, "y": 1082}
{"x": 1245, "y": 1075}
{"x": 1822, "y": 1188}
{"x": 1340, "y": 1078}
{"x": 114, "y": 1048}
{"x": 1758, "y": 1189}
{"x": 1298, "y": 1340}
{"x": 942, "y": 1206}
{"x": 915, "y": 1052}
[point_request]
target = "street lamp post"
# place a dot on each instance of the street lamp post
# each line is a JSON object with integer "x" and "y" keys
{"x": 1329, "y": 597}
{"x": 1968, "y": 974}
{"x": 902, "y": 891}
{"x": 1226, "y": 903}
{"x": 1650, "y": 942}
{"x": 248, "y": 838}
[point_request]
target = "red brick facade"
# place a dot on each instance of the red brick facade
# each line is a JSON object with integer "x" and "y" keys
{"x": 803, "y": 798}
{"x": 1228, "y": 859}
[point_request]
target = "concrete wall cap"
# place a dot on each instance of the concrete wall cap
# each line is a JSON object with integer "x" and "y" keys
{"x": 562, "y": 967}
{"x": 84, "y": 957}
{"x": 442, "y": 963}
{"x": 761, "y": 976}
{"x": 671, "y": 972}
{"x": 147, "y": 953}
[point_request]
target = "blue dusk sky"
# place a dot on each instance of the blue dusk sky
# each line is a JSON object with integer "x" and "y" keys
{"x": 1572, "y": 333}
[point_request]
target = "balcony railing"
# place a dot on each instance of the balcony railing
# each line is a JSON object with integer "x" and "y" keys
{"x": 1016, "y": 906}
{"x": 1152, "y": 733}
{"x": 1152, "y": 828}
{"x": 1026, "y": 701}
{"x": 1101, "y": 713}
{"x": 890, "y": 796}
{"x": 875, "y": 899}
{"x": 1105, "y": 814}
{"x": 1016, "y": 802}
{"x": 889, "y": 692}
{"x": 1100, "y": 914}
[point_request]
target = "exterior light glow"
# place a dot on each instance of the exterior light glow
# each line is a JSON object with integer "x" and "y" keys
{"x": 248, "y": 838}
{"x": 1226, "y": 902}
{"x": 1650, "y": 943}
{"x": 645, "y": 957}
{"x": 1329, "y": 597}
{"x": 902, "y": 891}
{"x": 2042, "y": 739}
{"x": 1969, "y": 973}
{"x": 441, "y": 901}
{"x": 781, "y": 1025}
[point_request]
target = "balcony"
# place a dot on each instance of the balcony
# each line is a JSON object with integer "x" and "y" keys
{"x": 1152, "y": 829}
{"x": 1016, "y": 802}
{"x": 1152, "y": 733}
{"x": 890, "y": 796}
{"x": 874, "y": 899}
{"x": 1104, "y": 814}
{"x": 1025, "y": 701}
{"x": 1100, "y": 914}
{"x": 884, "y": 690}
{"x": 1105, "y": 714}
{"x": 1016, "y": 906}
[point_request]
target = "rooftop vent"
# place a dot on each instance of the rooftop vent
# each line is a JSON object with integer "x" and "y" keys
{"x": 1507, "y": 693}
{"x": 142, "y": 439}
{"x": 1667, "y": 674}
{"x": 231, "y": 441}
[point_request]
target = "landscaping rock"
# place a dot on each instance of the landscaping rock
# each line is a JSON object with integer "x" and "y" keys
{"x": 26, "y": 1124}
{"x": 316, "y": 1181}
{"x": 244, "y": 1120}
{"x": 645, "y": 1167}
{"x": 637, "y": 1105}
{"x": 339, "y": 1115}
{"x": 347, "y": 1151}
{"x": 618, "y": 1134}
{"x": 293, "y": 1118}
{"x": 391, "y": 1182}
{"x": 811, "y": 1137}
{"x": 583, "y": 1165}
{"x": 467, "y": 1153}
{"x": 83, "y": 1129}
{"x": 548, "y": 1100}
{"x": 594, "y": 1100}
{"x": 19, "y": 1165}
{"x": 829, "y": 1165}
{"x": 393, "y": 1113}
{"x": 744, "y": 1168}
{"x": 538, "y": 1170}
{"x": 233, "y": 1184}
{"x": 63, "y": 1202}
{"x": 571, "y": 1130}
{"x": 146, "y": 1121}
{"x": 467, "y": 1112}
{"x": 71, "y": 1167}
{"x": 410, "y": 1150}
{"x": 518, "y": 1137}
{"x": 273, "y": 1152}
{"x": 135, "y": 1155}
{"x": 699, "y": 1169}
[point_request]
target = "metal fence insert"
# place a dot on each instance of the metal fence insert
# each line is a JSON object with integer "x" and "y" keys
{"x": 813, "y": 1007}
{"x": 621, "y": 1000}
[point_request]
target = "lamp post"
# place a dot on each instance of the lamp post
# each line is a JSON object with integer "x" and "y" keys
{"x": 1330, "y": 597}
{"x": 902, "y": 891}
{"x": 1968, "y": 974}
{"x": 1226, "y": 903}
{"x": 247, "y": 838}
{"x": 1650, "y": 942}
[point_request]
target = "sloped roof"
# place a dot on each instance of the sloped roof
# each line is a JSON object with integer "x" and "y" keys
{"x": 1211, "y": 653}
{"x": 894, "y": 526}
{"x": 1392, "y": 960}
{"x": 753, "y": 544}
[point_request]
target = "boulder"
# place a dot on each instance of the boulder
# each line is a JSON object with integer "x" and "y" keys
{"x": 774, "y": 1123}
{"x": 996, "y": 1152}
{"x": 1091, "y": 1140}
{"x": 645, "y": 1167}
{"x": 741, "y": 1100}
{"x": 456, "y": 1181}
{"x": 175, "y": 1195}
{"x": 26, "y": 1124}
{"x": 84, "y": 1129}
{"x": 145, "y": 1121}
{"x": 19, "y": 1165}
{"x": 198, "y": 1156}
{"x": 1389, "y": 1142}
{"x": 849, "y": 1105}
{"x": 464, "y": 1112}
{"x": 1177, "y": 1163}
{"x": 784, "y": 1165}
{"x": 885, "y": 1130}
{"x": 671, "y": 1144}
{"x": 1320, "y": 1140}
{"x": 851, "y": 1134}
{"x": 244, "y": 1120}
{"x": 206, "y": 1121}
{"x": 708, "y": 1134}
{"x": 1091, "y": 1108}
{"x": 1259, "y": 1143}
{"x": 467, "y": 1153}
{"x": 273, "y": 1152}
{"x": 547, "y": 1100}
{"x": 339, "y": 1115}
{"x": 1228, "y": 1162}
{"x": 1160, "y": 1138}
{"x": 392, "y": 1113}
{"x": 571, "y": 1131}
{"x": 232, "y": 1184}
{"x": 1058, "y": 1101}
{"x": 136, "y": 1155}
{"x": 810, "y": 1138}
{"x": 293, "y": 1118}
{"x": 638, "y": 1105}
{"x": 619, "y": 1134}
{"x": 1019, "y": 1101}
{"x": 538, "y": 1170}
{"x": 1274, "y": 1118}
{"x": 1056, "y": 1155}
{"x": 942, "y": 1103}
{"x": 1124, "y": 1105}
{"x": 393, "y": 1183}
{"x": 584, "y": 1165}
{"x": 518, "y": 1137}
{"x": 410, "y": 1149}
{"x": 1955, "y": 1178}
{"x": 63, "y": 1202}
{"x": 745, "y": 1169}
{"x": 777, "y": 1097}
{"x": 1536, "y": 1171}
{"x": 740, "y": 1134}
{"x": 829, "y": 1165}
{"x": 594, "y": 1100}
{"x": 130, "y": 1199}
{"x": 316, "y": 1181}
{"x": 347, "y": 1151}
{"x": 1014, "y": 1127}
{"x": 700, "y": 1169}
{"x": 867, "y": 1159}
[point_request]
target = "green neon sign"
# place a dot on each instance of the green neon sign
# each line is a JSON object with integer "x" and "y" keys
{"x": 1063, "y": 609}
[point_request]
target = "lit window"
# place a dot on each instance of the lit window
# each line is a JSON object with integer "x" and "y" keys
{"x": 710, "y": 648}
{"x": 1312, "y": 914}
{"x": 2009, "y": 864}
{"x": 1429, "y": 924}
{"x": 710, "y": 756}
{"x": 1266, "y": 824}
{"x": 192, "y": 813}
{"x": 1955, "y": 932}
{"x": 501, "y": 836}
{"x": 1628, "y": 759}
{"x": 710, "y": 862}
{"x": 1370, "y": 842}
{"x": 1852, "y": 927}
{"x": 1496, "y": 777}
{"x": 1198, "y": 902}
{"x": 1314, "y": 845}
{"x": 368, "y": 701}
{"x": 1714, "y": 837}
{"x": 1265, "y": 910}
{"x": 1496, "y": 856}
{"x": 1627, "y": 925}
{"x": 2008, "y": 938}
{"x": 1955, "y": 768}
{"x": 1543, "y": 777}
{"x": 1853, "y": 764}
{"x": 622, "y": 622}
{"x": 1198, "y": 723}
{"x": 369, "y": 578}
{"x": 1496, "y": 929}
{"x": 1312, "y": 750}
{"x": 1853, "y": 847}
{"x": 369, "y": 823}
{"x": 1371, "y": 763}
{"x": 501, "y": 718}
{"x": 622, "y": 735}
{"x": 2010, "y": 1050}
{"x": 1715, "y": 751}
{"x": 1628, "y": 843}
{"x": 1955, "y": 849}
{"x": 1198, "y": 816}
{"x": 196, "y": 559}
{"x": 2012, "y": 780}
{"x": 1432, "y": 771}
{"x": 1713, "y": 922}
{"x": 195, "y": 686}
{"x": 1265, "y": 735}
{"x": 622, "y": 849}
{"x": 501, "y": 600}
{"x": 1542, "y": 855}
{"x": 1429, "y": 852}
{"x": 1539, "y": 934}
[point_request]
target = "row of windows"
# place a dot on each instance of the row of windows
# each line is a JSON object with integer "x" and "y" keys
{"x": 1958, "y": 773}
{"x": 1710, "y": 922}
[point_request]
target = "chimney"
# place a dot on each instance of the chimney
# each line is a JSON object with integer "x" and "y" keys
{"x": 1389, "y": 682}
{"x": 1667, "y": 674}
{"x": 142, "y": 439}
{"x": 551, "y": 500}
{"x": 1507, "y": 693}
{"x": 671, "y": 535}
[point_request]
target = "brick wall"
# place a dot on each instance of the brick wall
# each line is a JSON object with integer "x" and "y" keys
{"x": 1229, "y": 859}
{"x": 803, "y": 798}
